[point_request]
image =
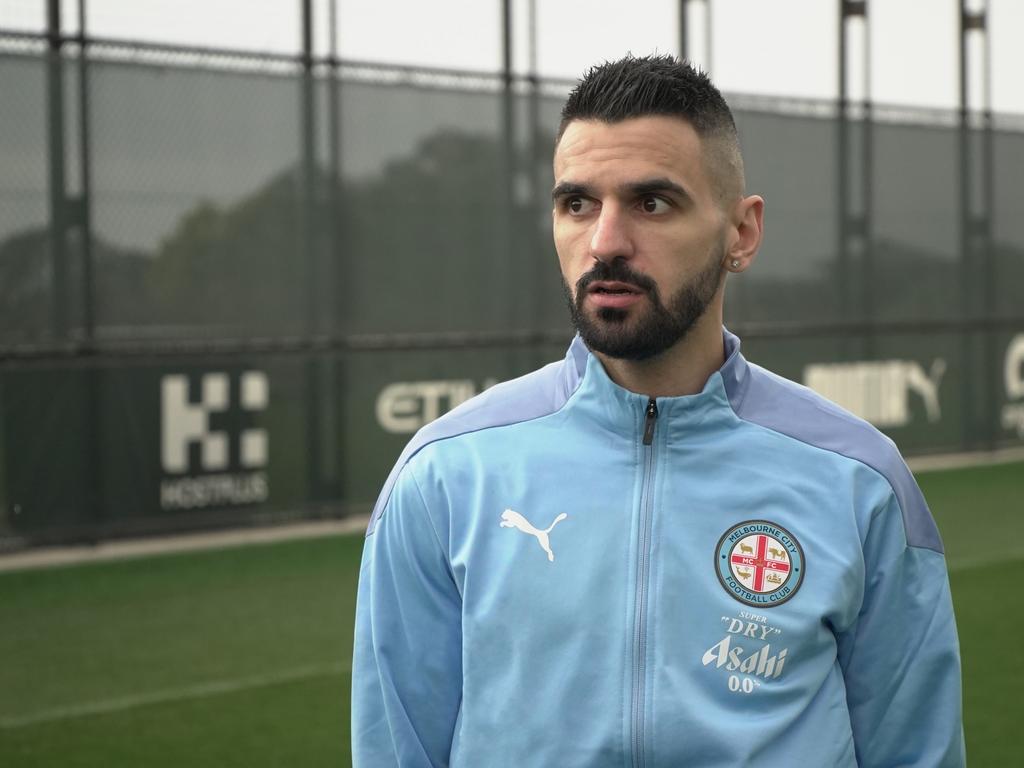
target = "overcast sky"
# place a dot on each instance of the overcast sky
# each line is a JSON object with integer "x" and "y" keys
{"x": 770, "y": 47}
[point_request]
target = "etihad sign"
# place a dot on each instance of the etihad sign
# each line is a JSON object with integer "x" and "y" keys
{"x": 405, "y": 406}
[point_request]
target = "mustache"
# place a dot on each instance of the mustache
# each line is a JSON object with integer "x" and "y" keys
{"x": 617, "y": 271}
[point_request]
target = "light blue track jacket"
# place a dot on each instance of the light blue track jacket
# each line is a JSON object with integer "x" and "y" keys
{"x": 561, "y": 573}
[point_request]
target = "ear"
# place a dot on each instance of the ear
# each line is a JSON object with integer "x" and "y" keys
{"x": 746, "y": 230}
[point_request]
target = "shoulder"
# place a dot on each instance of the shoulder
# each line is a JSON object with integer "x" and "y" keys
{"x": 775, "y": 403}
{"x": 532, "y": 396}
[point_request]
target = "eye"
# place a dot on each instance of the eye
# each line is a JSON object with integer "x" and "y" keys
{"x": 654, "y": 204}
{"x": 578, "y": 206}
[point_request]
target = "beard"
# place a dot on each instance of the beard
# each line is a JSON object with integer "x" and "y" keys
{"x": 654, "y": 329}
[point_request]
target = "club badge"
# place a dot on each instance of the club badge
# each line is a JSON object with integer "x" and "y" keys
{"x": 760, "y": 563}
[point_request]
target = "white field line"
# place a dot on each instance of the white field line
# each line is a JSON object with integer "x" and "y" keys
{"x": 190, "y": 542}
{"x": 970, "y": 563}
{"x": 187, "y": 542}
{"x": 198, "y": 691}
{"x": 945, "y": 461}
{"x": 219, "y": 687}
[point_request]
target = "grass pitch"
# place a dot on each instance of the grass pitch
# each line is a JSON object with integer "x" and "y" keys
{"x": 240, "y": 657}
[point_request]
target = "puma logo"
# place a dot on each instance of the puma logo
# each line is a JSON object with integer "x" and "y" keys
{"x": 512, "y": 519}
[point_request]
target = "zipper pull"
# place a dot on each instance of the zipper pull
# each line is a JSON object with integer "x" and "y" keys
{"x": 651, "y": 417}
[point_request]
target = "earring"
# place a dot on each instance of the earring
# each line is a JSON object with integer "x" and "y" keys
{"x": 735, "y": 263}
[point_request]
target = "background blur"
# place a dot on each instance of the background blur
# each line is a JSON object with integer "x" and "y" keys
{"x": 248, "y": 248}
{"x": 244, "y": 254}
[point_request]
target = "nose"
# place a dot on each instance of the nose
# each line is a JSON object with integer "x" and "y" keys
{"x": 611, "y": 238}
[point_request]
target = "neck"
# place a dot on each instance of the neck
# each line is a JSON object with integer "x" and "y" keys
{"x": 683, "y": 369}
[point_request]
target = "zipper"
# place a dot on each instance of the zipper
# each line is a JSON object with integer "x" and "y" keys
{"x": 643, "y": 569}
{"x": 649, "y": 419}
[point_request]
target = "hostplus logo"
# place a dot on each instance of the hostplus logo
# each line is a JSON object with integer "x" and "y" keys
{"x": 209, "y": 455}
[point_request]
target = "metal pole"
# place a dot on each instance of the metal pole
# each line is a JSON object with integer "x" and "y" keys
{"x": 58, "y": 192}
{"x": 708, "y": 45}
{"x": 308, "y": 221}
{"x": 842, "y": 89}
{"x": 967, "y": 363}
{"x": 510, "y": 208}
{"x": 506, "y": 41}
{"x": 538, "y": 156}
{"x": 331, "y": 426}
{"x": 85, "y": 203}
{"x": 683, "y": 32}
{"x": 981, "y": 394}
{"x": 307, "y": 194}
{"x": 867, "y": 294}
{"x": 94, "y": 499}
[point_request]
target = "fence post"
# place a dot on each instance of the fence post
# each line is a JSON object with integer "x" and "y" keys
{"x": 978, "y": 298}
{"x": 57, "y": 182}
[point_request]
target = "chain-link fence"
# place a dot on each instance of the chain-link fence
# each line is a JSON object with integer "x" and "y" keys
{"x": 231, "y": 286}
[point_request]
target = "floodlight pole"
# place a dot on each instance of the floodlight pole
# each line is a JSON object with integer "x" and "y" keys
{"x": 85, "y": 201}
{"x": 510, "y": 166}
{"x": 319, "y": 398}
{"x": 334, "y": 166}
{"x": 535, "y": 211}
{"x": 330, "y": 421}
{"x": 853, "y": 198}
{"x": 57, "y": 181}
{"x": 685, "y": 29}
{"x": 308, "y": 219}
{"x": 977, "y": 257}
{"x": 684, "y": 32}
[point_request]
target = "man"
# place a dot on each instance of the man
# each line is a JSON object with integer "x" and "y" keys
{"x": 653, "y": 553}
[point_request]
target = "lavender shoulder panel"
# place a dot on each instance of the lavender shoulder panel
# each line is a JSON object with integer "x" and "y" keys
{"x": 528, "y": 397}
{"x": 763, "y": 398}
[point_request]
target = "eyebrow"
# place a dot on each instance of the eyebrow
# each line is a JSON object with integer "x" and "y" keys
{"x": 566, "y": 188}
{"x": 635, "y": 189}
{"x": 648, "y": 186}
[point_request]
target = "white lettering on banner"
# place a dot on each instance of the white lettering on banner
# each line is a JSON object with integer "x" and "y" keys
{"x": 214, "y": 491}
{"x": 1013, "y": 369}
{"x": 879, "y": 391}
{"x": 1013, "y": 376}
{"x": 184, "y": 423}
{"x": 405, "y": 406}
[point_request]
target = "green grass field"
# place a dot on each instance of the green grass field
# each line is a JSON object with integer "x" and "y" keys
{"x": 240, "y": 657}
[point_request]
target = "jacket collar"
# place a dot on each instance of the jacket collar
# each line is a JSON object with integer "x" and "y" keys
{"x": 614, "y": 404}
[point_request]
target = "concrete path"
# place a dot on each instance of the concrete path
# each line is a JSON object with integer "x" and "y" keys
{"x": 191, "y": 542}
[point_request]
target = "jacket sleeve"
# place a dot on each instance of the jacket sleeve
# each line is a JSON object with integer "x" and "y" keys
{"x": 901, "y": 658}
{"x": 407, "y": 660}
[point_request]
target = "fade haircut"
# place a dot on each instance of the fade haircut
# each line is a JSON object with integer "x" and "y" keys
{"x": 663, "y": 86}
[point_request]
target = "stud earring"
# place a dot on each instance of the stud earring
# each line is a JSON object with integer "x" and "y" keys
{"x": 735, "y": 263}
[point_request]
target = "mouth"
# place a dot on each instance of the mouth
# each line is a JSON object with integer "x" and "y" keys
{"x": 614, "y": 294}
{"x": 613, "y": 288}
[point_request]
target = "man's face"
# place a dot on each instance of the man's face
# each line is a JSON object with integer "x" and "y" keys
{"x": 639, "y": 233}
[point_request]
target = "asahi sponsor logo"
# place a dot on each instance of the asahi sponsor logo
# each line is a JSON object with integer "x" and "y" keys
{"x": 880, "y": 391}
{"x": 220, "y": 467}
{"x": 1012, "y": 417}
{"x": 746, "y": 653}
{"x": 405, "y": 406}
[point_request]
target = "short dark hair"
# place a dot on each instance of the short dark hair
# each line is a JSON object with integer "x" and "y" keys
{"x": 645, "y": 86}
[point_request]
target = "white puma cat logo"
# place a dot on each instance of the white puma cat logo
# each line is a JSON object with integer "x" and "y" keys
{"x": 512, "y": 519}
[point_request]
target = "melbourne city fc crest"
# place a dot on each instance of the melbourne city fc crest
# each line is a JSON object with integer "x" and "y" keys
{"x": 760, "y": 563}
